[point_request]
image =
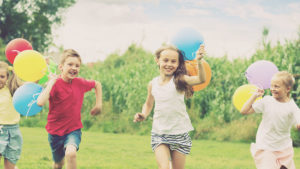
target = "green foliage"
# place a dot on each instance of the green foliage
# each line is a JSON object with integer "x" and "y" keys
{"x": 2, "y": 52}
{"x": 31, "y": 19}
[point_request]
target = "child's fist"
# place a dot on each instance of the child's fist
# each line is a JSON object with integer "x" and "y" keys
{"x": 95, "y": 110}
{"x": 139, "y": 117}
{"x": 200, "y": 52}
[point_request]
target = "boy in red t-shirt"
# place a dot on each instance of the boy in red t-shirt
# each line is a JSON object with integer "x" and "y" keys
{"x": 65, "y": 94}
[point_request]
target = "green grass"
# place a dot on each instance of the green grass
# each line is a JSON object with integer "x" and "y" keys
{"x": 121, "y": 151}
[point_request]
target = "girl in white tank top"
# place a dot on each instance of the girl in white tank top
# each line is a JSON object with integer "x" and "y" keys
{"x": 171, "y": 123}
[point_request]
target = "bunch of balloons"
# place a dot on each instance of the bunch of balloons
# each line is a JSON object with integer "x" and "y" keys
{"x": 259, "y": 75}
{"x": 188, "y": 40}
{"x": 30, "y": 66}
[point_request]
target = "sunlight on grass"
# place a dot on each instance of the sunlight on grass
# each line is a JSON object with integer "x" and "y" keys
{"x": 121, "y": 151}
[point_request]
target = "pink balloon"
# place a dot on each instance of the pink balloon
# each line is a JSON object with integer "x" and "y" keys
{"x": 260, "y": 73}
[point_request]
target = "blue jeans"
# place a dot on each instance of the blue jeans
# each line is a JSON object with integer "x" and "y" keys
{"x": 58, "y": 144}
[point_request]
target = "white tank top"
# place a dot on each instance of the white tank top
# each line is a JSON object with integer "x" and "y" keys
{"x": 170, "y": 116}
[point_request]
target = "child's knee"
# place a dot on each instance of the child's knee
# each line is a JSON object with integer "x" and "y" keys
{"x": 58, "y": 165}
{"x": 71, "y": 152}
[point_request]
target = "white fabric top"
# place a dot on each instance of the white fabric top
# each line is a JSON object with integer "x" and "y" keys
{"x": 170, "y": 116}
{"x": 274, "y": 130}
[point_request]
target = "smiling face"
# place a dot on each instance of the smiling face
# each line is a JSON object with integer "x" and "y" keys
{"x": 168, "y": 62}
{"x": 279, "y": 90}
{"x": 3, "y": 77}
{"x": 70, "y": 68}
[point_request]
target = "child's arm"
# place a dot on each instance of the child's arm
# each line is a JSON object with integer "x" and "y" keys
{"x": 45, "y": 94}
{"x": 98, "y": 105}
{"x": 247, "y": 108}
{"x": 147, "y": 107}
{"x": 201, "y": 78}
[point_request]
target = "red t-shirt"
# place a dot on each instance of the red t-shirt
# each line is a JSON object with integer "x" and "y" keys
{"x": 65, "y": 104}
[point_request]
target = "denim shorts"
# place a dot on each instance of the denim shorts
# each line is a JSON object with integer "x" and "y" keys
{"x": 179, "y": 142}
{"x": 58, "y": 144}
{"x": 11, "y": 142}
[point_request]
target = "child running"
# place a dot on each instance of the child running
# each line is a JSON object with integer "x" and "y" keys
{"x": 273, "y": 148}
{"x": 10, "y": 135}
{"x": 171, "y": 124}
{"x": 65, "y": 94}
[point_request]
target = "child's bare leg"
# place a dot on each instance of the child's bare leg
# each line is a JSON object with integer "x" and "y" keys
{"x": 178, "y": 160}
{"x": 71, "y": 156}
{"x": 8, "y": 164}
{"x": 162, "y": 154}
{"x": 59, "y": 165}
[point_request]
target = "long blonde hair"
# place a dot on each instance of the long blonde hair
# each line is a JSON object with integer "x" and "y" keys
{"x": 13, "y": 82}
{"x": 180, "y": 83}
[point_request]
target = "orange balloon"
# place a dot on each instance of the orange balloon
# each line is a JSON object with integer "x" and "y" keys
{"x": 192, "y": 70}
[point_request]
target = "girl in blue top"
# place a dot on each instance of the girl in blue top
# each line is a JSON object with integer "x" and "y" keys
{"x": 171, "y": 123}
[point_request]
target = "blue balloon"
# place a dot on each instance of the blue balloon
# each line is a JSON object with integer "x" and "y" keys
{"x": 188, "y": 40}
{"x": 25, "y": 98}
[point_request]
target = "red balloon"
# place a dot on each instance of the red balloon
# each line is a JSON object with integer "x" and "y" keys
{"x": 14, "y": 47}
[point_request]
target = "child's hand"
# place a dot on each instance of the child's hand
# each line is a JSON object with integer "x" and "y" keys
{"x": 259, "y": 92}
{"x": 95, "y": 110}
{"x": 200, "y": 52}
{"x": 52, "y": 77}
{"x": 139, "y": 117}
{"x": 298, "y": 127}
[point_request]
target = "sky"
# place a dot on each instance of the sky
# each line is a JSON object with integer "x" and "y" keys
{"x": 97, "y": 28}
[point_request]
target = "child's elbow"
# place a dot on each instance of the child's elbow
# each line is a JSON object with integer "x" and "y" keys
{"x": 243, "y": 112}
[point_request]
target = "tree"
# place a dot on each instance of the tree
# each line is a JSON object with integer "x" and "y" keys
{"x": 31, "y": 20}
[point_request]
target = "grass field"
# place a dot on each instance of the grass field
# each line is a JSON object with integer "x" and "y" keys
{"x": 120, "y": 151}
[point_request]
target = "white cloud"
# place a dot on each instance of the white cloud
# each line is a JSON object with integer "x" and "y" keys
{"x": 97, "y": 28}
{"x": 192, "y": 12}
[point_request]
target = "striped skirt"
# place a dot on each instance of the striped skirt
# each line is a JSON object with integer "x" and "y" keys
{"x": 179, "y": 142}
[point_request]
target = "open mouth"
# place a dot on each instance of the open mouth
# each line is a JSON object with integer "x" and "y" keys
{"x": 73, "y": 73}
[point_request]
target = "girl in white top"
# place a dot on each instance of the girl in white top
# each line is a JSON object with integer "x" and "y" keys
{"x": 273, "y": 148}
{"x": 171, "y": 123}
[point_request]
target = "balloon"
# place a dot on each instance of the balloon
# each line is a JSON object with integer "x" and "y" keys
{"x": 260, "y": 73}
{"x": 30, "y": 65}
{"x": 242, "y": 95}
{"x": 188, "y": 40}
{"x": 25, "y": 98}
{"x": 192, "y": 70}
{"x": 51, "y": 68}
{"x": 14, "y": 47}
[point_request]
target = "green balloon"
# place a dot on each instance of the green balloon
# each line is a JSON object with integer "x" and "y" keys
{"x": 52, "y": 68}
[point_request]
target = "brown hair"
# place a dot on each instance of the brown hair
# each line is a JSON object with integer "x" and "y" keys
{"x": 180, "y": 83}
{"x": 13, "y": 82}
{"x": 69, "y": 53}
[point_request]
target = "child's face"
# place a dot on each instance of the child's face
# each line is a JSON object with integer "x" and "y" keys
{"x": 168, "y": 62}
{"x": 3, "y": 78}
{"x": 70, "y": 68}
{"x": 278, "y": 89}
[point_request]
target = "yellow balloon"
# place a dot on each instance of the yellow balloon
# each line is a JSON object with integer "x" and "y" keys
{"x": 30, "y": 65}
{"x": 242, "y": 95}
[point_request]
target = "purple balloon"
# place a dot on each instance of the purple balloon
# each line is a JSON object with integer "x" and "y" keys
{"x": 260, "y": 73}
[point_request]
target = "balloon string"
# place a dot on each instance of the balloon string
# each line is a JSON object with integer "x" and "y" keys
{"x": 31, "y": 103}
